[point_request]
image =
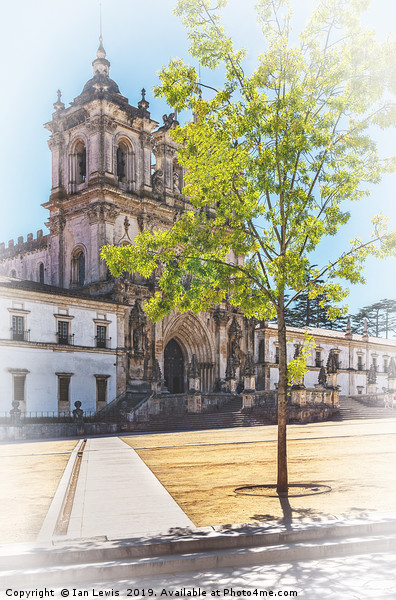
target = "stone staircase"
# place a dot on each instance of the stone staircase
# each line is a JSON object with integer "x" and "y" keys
{"x": 229, "y": 415}
{"x": 353, "y": 409}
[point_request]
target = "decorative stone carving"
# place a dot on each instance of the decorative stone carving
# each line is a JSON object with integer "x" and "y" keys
{"x": 143, "y": 104}
{"x": 56, "y": 224}
{"x": 220, "y": 317}
{"x": 147, "y": 140}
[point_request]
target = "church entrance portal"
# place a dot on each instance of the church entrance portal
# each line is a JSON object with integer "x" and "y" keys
{"x": 174, "y": 368}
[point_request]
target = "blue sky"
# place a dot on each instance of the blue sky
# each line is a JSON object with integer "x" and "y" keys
{"x": 48, "y": 45}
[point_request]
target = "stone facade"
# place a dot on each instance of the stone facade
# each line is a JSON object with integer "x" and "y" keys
{"x": 114, "y": 174}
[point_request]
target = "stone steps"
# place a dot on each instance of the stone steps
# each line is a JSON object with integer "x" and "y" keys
{"x": 353, "y": 409}
{"x": 229, "y": 415}
{"x": 191, "y": 550}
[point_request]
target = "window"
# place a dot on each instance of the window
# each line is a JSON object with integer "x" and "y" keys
{"x": 385, "y": 365}
{"x": 13, "y": 273}
{"x": 19, "y": 388}
{"x": 261, "y": 351}
{"x": 81, "y": 163}
{"x": 41, "y": 272}
{"x": 318, "y": 358}
{"x": 77, "y": 164}
{"x": 64, "y": 391}
{"x": 277, "y": 355}
{"x": 375, "y": 365}
{"x": 121, "y": 156}
{"x": 63, "y": 332}
{"x": 101, "y": 391}
{"x": 78, "y": 268}
{"x": 360, "y": 363}
{"x": 101, "y": 331}
{"x": 125, "y": 164}
{"x": 18, "y": 328}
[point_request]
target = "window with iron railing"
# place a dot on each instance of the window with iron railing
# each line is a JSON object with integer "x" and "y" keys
{"x": 63, "y": 335}
{"x": 18, "y": 331}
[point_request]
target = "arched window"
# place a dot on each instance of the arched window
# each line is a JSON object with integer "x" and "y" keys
{"x": 13, "y": 273}
{"x": 78, "y": 163}
{"x": 121, "y": 159}
{"x": 78, "y": 268}
{"x": 41, "y": 272}
{"x": 125, "y": 164}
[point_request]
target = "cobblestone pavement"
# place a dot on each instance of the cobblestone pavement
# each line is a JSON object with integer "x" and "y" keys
{"x": 370, "y": 576}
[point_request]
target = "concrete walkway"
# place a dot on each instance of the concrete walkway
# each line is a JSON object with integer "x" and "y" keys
{"x": 118, "y": 495}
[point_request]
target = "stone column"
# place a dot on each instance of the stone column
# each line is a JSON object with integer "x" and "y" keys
{"x": 221, "y": 318}
{"x": 194, "y": 398}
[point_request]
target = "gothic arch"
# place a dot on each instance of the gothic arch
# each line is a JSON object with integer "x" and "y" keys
{"x": 193, "y": 337}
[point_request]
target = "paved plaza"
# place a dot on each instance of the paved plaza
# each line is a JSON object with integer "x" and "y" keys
{"x": 362, "y": 577}
{"x": 118, "y": 501}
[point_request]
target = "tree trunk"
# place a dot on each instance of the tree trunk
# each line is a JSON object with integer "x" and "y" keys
{"x": 282, "y": 482}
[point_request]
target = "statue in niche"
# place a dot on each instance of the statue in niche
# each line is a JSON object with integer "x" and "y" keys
{"x": 176, "y": 184}
{"x": 157, "y": 182}
{"x": 235, "y": 351}
{"x": 138, "y": 339}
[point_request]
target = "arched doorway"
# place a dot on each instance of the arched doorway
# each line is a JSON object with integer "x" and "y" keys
{"x": 174, "y": 368}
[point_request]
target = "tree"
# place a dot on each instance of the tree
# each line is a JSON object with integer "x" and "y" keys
{"x": 380, "y": 317}
{"x": 270, "y": 158}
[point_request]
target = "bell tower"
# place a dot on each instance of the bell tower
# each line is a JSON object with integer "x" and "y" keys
{"x": 101, "y": 170}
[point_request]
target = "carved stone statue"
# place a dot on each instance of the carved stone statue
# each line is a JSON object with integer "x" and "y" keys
{"x": 15, "y": 413}
{"x": 176, "y": 184}
{"x": 138, "y": 339}
{"x": 78, "y": 413}
{"x": 157, "y": 182}
{"x": 322, "y": 378}
{"x": 372, "y": 375}
{"x": 332, "y": 363}
{"x": 169, "y": 120}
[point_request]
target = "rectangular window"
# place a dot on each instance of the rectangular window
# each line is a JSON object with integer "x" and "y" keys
{"x": 19, "y": 388}
{"x": 360, "y": 363}
{"x": 63, "y": 332}
{"x": 18, "y": 328}
{"x": 63, "y": 392}
{"x": 375, "y": 363}
{"x": 101, "y": 392}
{"x": 385, "y": 365}
{"x": 101, "y": 331}
{"x": 277, "y": 355}
{"x": 318, "y": 358}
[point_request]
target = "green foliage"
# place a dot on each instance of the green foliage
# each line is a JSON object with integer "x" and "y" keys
{"x": 270, "y": 159}
{"x": 380, "y": 317}
{"x": 297, "y": 367}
